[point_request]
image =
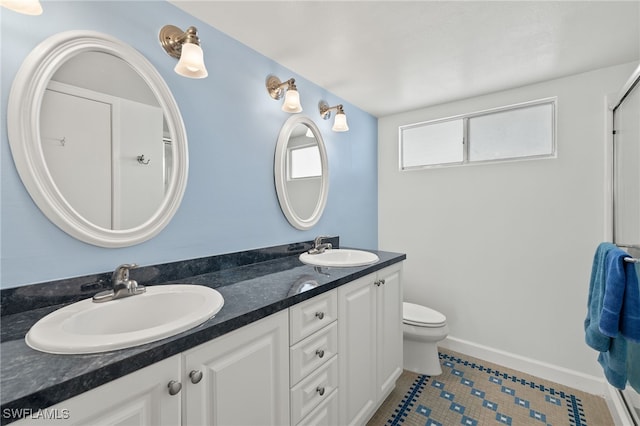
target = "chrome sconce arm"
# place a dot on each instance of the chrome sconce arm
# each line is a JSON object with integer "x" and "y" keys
{"x": 277, "y": 89}
{"x": 340, "y": 123}
{"x": 184, "y": 45}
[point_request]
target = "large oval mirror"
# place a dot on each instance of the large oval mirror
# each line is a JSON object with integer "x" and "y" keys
{"x": 301, "y": 172}
{"x": 98, "y": 139}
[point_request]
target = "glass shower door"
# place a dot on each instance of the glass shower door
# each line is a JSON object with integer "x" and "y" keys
{"x": 626, "y": 191}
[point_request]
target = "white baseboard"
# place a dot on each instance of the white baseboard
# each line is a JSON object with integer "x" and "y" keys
{"x": 564, "y": 376}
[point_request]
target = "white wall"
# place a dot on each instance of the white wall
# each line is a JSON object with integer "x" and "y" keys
{"x": 505, "y": 250}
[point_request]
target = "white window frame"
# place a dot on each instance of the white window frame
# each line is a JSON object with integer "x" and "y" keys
{"x": 553, "y": 101}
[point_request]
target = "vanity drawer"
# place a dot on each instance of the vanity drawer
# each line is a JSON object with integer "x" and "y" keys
{"x": 314, "y": 389}
{"x": 325, "y": 414}
{"x": 310, "y": 316}
{"x": 312, "y": 352}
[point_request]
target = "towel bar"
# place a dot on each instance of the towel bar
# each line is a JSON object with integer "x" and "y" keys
{"x": 631, "y": 260}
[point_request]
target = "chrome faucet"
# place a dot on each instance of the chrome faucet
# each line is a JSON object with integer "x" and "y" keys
{"x": 122, "y": 285}
{"x": 319, "y": 246}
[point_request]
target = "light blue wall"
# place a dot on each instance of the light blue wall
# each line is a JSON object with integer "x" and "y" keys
{"x": 232, "y": 124}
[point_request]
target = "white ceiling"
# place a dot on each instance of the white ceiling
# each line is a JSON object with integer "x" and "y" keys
{"x": 393, "y": 56}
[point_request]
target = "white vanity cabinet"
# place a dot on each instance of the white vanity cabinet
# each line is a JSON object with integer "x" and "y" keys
{"x": 330, "y": 360}
{"x": 139, "y": 398}
{"x": 240, "y": 378}
{"x": 313, "y": 375}
{"x": 370, "y": 342}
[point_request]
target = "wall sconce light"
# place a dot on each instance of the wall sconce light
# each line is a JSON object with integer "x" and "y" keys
{"x": 186, "y": 47}
{"x": 27, "y": 7}
{"x": 276, "y": 89}
{"x": 340, "y": 123}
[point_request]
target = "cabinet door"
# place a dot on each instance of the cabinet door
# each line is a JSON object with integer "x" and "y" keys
{"x": 357, "y": 349}
{"x": 389, "y": 338}
{"x": 140, "y": 398}
{"x": 245, "y": 377}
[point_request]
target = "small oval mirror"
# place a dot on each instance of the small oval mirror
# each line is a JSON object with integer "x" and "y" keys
{"x": 301, "y": 172}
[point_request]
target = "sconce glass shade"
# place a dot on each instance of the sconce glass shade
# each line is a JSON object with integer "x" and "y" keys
{"x": 191, "y": 63}
{"x": 28, "y": 7}
{"x": 340, "y": 123}
{"x": 292, "y": 101}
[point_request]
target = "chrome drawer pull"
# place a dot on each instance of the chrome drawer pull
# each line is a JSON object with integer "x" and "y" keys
{"x": 320, "y": 353}
{"x": 320, "y": 390}
{"x": 320, "y": 315}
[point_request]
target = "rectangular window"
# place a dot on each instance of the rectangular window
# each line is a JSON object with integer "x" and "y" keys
{"x": 513, "y": 132}
{"x": 437, "y": 143}
{"x": 304, "y": 162}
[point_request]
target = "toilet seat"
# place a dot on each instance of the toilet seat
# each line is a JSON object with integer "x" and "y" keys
{"x": 421, "y": 316}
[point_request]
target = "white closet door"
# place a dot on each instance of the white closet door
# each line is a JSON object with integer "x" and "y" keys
{"x": 76, "y": 142}
{"x": 138, "y": 188}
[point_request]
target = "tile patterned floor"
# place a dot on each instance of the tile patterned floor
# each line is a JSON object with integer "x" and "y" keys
{"x": 474, "y": 392}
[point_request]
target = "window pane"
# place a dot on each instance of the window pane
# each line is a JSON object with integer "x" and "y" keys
{"x": 521, "y": 132}
{"x": 431, "y": 144}
{"x": 304, "y": 162}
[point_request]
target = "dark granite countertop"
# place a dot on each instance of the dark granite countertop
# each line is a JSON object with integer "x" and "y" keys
{"x": 34, "y": 380}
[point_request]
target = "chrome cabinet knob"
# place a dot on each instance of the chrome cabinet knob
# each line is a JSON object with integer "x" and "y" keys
{"x": 195, "y": 376}
{"x": 382, "y": 281}
{"x": 174, "y": 387}
{"x": 376, "y": 283}
{"x": 320, "y": 353}
{"x": 320, "y": 390}
{"x": 320, "y": 315}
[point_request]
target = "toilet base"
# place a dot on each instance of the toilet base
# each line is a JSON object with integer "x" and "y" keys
{"x": 421, "y": 357}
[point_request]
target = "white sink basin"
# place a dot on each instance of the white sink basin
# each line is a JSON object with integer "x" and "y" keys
{"x": 87, "y": 327}
{"x": 340, "y": 258}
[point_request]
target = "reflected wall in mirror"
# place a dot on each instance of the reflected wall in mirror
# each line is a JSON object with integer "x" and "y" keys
{"x": 97, "y": 139}
{"x": 301, "y": 172}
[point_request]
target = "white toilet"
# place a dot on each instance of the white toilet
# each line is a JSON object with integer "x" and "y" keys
{"x": 422, "y": 329}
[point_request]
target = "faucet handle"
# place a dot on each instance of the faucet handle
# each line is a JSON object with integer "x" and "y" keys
{"x": 122, "y": 272}
{"x": 319, "y": 239}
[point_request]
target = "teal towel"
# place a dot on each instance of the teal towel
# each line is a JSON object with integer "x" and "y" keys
{"x": 614, "y": 362}
{"x": 594, "y": 338}
{"x": 612, "y": 326}
{"x": 621, "y": 300}
{"x": 633, "y": 365}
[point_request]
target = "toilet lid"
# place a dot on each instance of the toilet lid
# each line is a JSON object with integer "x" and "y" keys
{"x": 421, "y": 315}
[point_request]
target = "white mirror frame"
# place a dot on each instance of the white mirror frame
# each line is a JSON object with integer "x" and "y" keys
{"x": 23, "y": 125}
{"x": 280, "y": 173}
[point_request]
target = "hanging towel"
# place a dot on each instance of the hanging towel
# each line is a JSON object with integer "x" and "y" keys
{"x": 621, "y": 299}
{"x": 612, "y": 326}
{"x": 633, "y": 365}
{"x": 614, "y": 362}
{"x": 633, "y": 353}
{"x": 593, "y": 336}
